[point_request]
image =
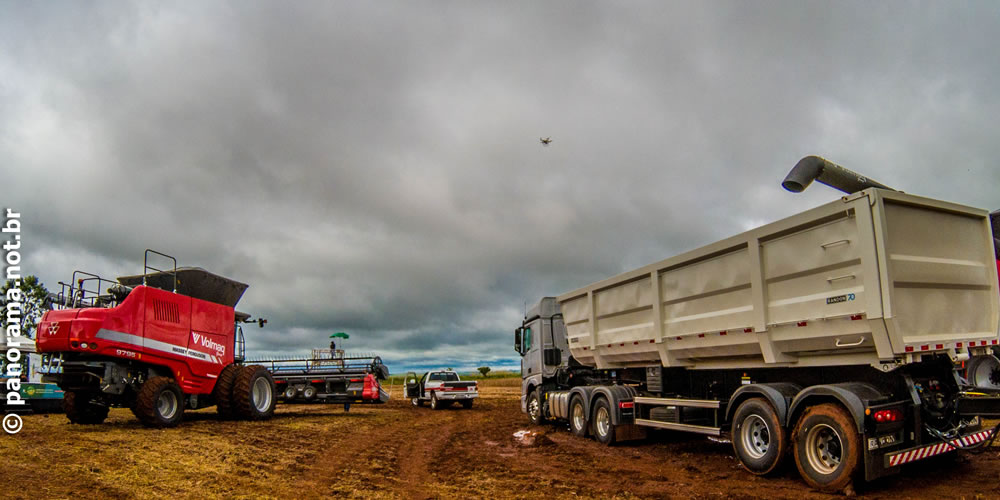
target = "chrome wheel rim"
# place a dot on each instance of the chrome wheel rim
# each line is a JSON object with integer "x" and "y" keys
{"x": 261, "y": 394}
{"x": 166, "y": 404}
{"x": 602, "y": 421}
{"x": 533, "y": 409}
{"x": 414, "y": 401}
{"x": 824, "y": 449}
{"x": 579, "y": 420}
{"x": 754, "y": 436}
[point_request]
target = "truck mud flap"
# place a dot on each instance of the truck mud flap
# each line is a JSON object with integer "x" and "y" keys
{"x": 921, "y": 452}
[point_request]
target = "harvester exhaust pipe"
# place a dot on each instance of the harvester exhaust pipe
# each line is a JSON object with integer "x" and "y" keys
{"x": 826, "y": 172}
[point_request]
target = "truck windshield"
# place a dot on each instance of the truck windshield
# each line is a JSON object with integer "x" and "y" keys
{"x": 445, "y": 376}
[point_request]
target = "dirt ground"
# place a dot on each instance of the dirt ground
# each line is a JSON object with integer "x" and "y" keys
{"x": 399, "y": 451}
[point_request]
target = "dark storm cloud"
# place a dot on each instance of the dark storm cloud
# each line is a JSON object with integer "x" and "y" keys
{"x": 375, "y": 168}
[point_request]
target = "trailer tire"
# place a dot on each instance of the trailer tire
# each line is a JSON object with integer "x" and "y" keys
{"x": 253, "y": 393}
{"x": 578, "y": 422}
{"x": 535, "y": 407}
{"x": 467, "y": 404}
{"x": 604, "y": 430}
{"x": 759, "y": 440}
{"x": 827, "y": 447}
{"x": 160, "y": 403}
{"x": 309, "y": 392}
{"x": 224, "y": 390}
{"x": 416, "y": 402}
{"x": 290, "y": 392}
{"x": 81, "y": 409}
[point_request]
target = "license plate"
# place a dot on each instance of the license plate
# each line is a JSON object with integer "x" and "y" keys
{"x": 886, "y": 440}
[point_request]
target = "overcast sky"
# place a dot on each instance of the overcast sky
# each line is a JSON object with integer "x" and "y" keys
{"x": 375, "y": 167}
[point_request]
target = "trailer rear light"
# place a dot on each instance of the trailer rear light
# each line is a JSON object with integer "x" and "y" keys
{"x": 83, "y": 345}
{"x": 909, "y": 348}
{"x": 74, "y": 344}
{"x": 320, "y": 381}
{"x": 626, "y": 404}
{"x": 925, "y": 348}
{"x": 893, "y": 415}
{"x": 856, "y": 317}
{"x": 93, "y": 346}
{"x": 802, "y": 323}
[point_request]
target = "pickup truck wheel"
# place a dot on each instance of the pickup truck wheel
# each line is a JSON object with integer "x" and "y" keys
{"x": 467, "y": 404}
{"x": 604, "y": 430}
{"x": 435, "y": 404}
{"x": 578, "y": 417}
{"x": 416, "y": 402}
{"x": 827, "y": 447}
{"x": 759, "y": 440}
{"x": 535, "y": 407}
{"x": 254, "y": 394}
{"x": 223, "y": 390}
{"x": 160, "y": 403}
{"x": 81, "y": 409}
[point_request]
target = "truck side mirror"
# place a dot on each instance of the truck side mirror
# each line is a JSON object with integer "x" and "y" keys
{"x": 517, "y": 341}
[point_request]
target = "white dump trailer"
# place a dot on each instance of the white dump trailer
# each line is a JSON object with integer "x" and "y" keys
{"x": 833, "y": 334}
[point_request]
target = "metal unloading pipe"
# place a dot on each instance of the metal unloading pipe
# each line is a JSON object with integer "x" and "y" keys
{"x": 826, "y": 172}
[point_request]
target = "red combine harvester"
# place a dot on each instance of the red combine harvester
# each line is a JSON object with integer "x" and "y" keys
{"x": 156, "y": 343}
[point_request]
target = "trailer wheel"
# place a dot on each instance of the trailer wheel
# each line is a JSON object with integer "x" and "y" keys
{"x": 467, "y": 404}
{"x": 604, "y": 430}
{"x": 309, "y": 392}
{"x": 160, "y": 403}
{"x": 290, "y": 392}
{"x": 416, "y": 402}
{"x": 827, "y": 447}
{"x": 224, "y": 390}
{"x": 253, "y": 393}
{"x": 578, "y": 422}
{"x": 81, "y": 409}
{"x": 535, "y": 407}
{"x": 759, "y": 440}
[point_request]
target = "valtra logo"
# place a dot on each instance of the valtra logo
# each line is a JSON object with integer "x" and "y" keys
{"x": 208, "y": 343}
{"x": 53, "y": 328}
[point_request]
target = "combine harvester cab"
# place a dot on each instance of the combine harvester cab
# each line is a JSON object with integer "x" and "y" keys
{"x": 156, "y": 343}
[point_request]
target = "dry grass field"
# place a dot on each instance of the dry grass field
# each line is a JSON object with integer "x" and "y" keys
{"x": 400, "y": 451}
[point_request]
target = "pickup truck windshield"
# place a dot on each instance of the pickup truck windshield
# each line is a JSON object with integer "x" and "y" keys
{"x": 445, "y": 376}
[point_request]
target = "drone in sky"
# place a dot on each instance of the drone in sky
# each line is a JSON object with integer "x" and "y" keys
{"x": 545, "y": 140}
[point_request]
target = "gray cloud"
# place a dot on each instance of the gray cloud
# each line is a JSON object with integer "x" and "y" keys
{"x": 376, "y": 169}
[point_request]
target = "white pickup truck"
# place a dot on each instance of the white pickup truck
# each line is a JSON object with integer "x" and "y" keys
{"x": 441, "y": 388}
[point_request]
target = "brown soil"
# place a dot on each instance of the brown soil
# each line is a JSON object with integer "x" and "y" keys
{"x": 399, "y": 451}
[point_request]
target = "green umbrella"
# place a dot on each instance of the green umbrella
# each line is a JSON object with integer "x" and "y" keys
{"x": 340, "y": 335}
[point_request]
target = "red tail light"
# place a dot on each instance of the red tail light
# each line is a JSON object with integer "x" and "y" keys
{"x": 626, "y": 404}
{"x": 893, "y": 415}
